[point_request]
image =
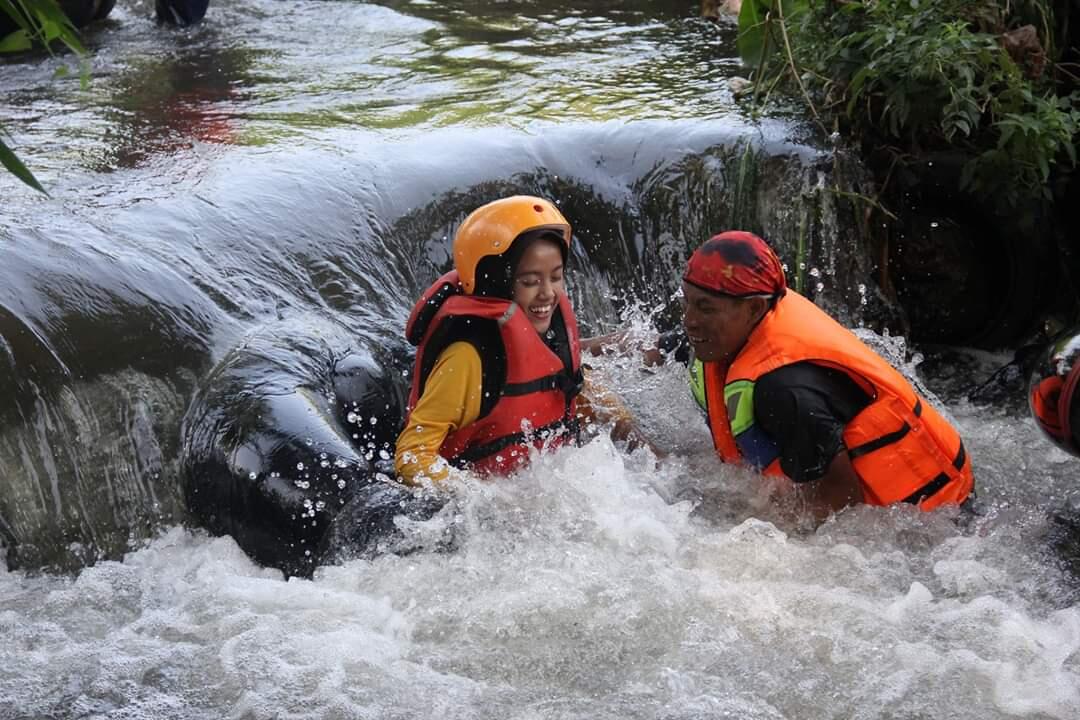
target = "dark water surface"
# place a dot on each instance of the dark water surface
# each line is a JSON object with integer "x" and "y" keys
{"x": 295, "y": 170}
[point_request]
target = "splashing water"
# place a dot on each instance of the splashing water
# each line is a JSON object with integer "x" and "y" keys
{"x": 594, "y": 584}
{"x": 247, "y": 171}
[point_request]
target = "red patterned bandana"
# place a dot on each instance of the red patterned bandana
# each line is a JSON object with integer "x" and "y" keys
{"x": 736, "y": 263}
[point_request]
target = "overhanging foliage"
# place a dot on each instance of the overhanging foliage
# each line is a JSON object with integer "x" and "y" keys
{"x": 39, "y": 23}
{"x": 978, "y": 77}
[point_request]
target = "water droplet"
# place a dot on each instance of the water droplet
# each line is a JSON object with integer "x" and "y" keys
{"x": 934, "y": 224}
{"x": 341, "y": 484}
{"x": 299, "y": 466}
{"x": 373, "y": 420}
{"x": 353, "y": 418}
{"x": 252, "y": 475}
{"x": 819, "y": 287}
{"x": 384, "y": 455}
{"x": 814, "y": 272}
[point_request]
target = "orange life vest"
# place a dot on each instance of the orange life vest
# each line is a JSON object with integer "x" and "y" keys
{"x": 529, "y": 391}
{"x": 900, "y": 447}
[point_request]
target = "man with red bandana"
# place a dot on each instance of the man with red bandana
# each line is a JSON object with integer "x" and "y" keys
{"x": 787, "y": 389}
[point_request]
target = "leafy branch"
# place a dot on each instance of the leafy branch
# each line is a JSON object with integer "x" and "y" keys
{"x": 42, "y": 23}
{"x": 928, "y": 74}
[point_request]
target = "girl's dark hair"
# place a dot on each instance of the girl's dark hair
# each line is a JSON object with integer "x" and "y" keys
{"x": 495, "y": 273}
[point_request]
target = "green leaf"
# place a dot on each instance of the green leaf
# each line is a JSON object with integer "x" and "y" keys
{"x": 15, "y": 166}
{"x": 51, "y": 29}
{"x": 43, "y": 21}
{"x": 15, "y": 42}
{"x": 9, "y": 9}
{"x": 855, "y": 86}
{"x": 791, "y": 8}
{"x": 752, "y": 30}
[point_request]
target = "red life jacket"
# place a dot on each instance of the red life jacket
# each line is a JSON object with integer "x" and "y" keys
{"x": 900, "y": 447}
{"x": 529, "y": 391}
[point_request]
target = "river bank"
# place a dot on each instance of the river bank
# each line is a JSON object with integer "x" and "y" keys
{"x": 968, "y": 116}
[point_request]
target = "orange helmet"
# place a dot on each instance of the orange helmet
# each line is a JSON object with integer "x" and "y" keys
{"x": 492, "y": 228}
{"x": 1054, "y": 392}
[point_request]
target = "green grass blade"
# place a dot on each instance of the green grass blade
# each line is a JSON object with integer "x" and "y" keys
{"x": 15, "y": 166}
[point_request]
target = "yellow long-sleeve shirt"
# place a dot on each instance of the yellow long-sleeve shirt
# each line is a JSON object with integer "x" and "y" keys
{"x": 451, "y": 400}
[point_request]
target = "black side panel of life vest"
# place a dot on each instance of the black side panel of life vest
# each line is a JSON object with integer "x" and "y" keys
{"x": 483, "y": 335}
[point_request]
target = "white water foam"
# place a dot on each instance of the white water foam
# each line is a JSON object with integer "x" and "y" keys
{"x": 583, "y": 588}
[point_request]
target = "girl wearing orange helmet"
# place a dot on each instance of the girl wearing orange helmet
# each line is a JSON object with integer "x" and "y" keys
{"x": 498, "y": 366}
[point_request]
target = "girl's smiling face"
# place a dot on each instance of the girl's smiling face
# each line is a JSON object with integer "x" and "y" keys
{"x": 538, "y": 282}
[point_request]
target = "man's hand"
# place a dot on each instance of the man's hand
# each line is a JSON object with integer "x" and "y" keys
{"x": 622, "y": 342}
{"x": 838, "y": 488}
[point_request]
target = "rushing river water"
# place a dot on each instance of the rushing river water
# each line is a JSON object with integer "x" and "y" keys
{"x": 294, "y": 170}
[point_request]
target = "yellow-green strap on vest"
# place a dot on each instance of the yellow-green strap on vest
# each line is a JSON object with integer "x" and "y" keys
{"x": 738, "y": 398}
{"x": 697, "y": 385}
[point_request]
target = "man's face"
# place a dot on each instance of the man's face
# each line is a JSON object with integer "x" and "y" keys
{"x": 717, "y": 325}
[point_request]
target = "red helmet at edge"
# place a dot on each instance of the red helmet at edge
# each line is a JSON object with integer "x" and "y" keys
{"x": 1053, "y": 395}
